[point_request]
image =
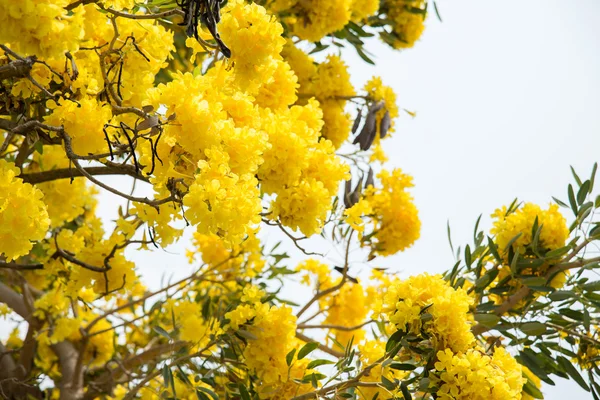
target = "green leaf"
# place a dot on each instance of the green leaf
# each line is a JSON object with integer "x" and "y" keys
{"x": 559, "y": 202}
{"x": 307, "y": 349}
{"x": 437, "y": 12}
{"x": 573, "y": 314}
{"x": 476, "y": 228}
{"x": 449, "y": 236}
{"x": 486, "y": 279}
{"x": 534, "y": 281}
{"x": 468, "y": 256}
{"x": 394, "y": 339}
{"x": 494, "y": 249}
{"x": 364, "y": 55}
{"x": 403, "y": 366}
{"x": 243, "y": 392}
{"x": 560, "y": 295}
{"x": 209, "y": 392}
{"x": 577, "y": 179}
{"x": 572, "y": 200}
{"x": 513, "y": 264}
{"x": 529, "y": 359}
{"x": 572, "y": 371}
{"x": 592, "y": 286}
{"x": 533, "y": 328}
{"x": 405, "y": 392}
{"x": 161, "y": 331}
{"x": 168, "y": 377}
{"x": 558, "y": 252}
{"x": 389, "y": 385}
{"x": 247, "y": 335}
{"x": 290, "y": 357}
{"x": 532, "y": 390}
{"x": 39, "y": 147}
{"x": 514, "y": 239}
{"x": 201, "y": 396}
{"x": 317, "y": 363}
{"x": 583, "y": 192}
{"x": 488, "y": 320}
{"x": 593, "y": 177}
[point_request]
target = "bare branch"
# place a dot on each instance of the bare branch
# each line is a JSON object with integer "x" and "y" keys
{"x": 20, "y": 267}
{"x": 67, "y": 173}
{"x": 13, "y": 300}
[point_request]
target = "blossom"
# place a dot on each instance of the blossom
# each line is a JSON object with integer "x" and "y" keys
{"x": 23, "y": 215}
{"x": 41, "y": 27}
{"x": 474, "y": 375}
{"x": 83, "y": 122}
{"x": 405, "y": 301}
{"x": 553, "y": 235}
{"x": 392, "y": 212}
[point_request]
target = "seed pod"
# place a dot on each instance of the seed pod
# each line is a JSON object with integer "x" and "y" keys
{"x": 347, "y": 193}
{"x": 369, "y": 130}
{"x": 386, "y": 123}
{"x": 370, "y": 181}
{"x": 357, "y": 122}
{"x": 350, "y": 278}
{"x": 355, "y": 196}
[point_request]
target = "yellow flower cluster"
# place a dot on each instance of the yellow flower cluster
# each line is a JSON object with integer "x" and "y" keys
{"x": 554, "y": 231}
{"x": 407, "y": 18}
{"x": 303, "y": 171}
{"x": 221, "y": 202}
{"x": 406, "y": 301}
{"x": 244, "y": 259}
{"x": 192, "y": 327}
{"x": 100, "y": 347}
{"x": 371, "y": 352}
{"x": 65, "y": 200}
{"x": 275, "y": 331}
{"x": 473, "y": 375}
{"x": 347, "y": 307}
{"x": 41, "y": 27}
{"x": 330, "y": 83}
{"x": 83, "y": 122}
{"x": 395, "y": 219}
{"x": 314, "y": 19}
{"x": 23, "y": 214}
{"x": 235, "y": 123}
{"x": 377, "y": 91}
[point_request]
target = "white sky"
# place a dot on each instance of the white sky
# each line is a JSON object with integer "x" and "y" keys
{"x": 507, "y": 95}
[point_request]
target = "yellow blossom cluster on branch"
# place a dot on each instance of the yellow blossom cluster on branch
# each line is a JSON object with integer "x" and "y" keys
{"x": 391, "y": 210}
{"x": 23, "y": 214}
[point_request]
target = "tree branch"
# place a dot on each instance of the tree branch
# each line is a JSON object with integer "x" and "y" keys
{"x": 14, "y": 301}
{"x": 17, "y": 68}
{"x": 65, "y": 173}
{"x": 20, "y": 267}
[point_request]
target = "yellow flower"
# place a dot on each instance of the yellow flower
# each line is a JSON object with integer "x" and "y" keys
{"x": 407, "y": 20}
{"x": 554, "y": 231}
{"x": 83, "y": 122}
{"x": 23, "y": 214}
{"x": 41, "y": 28}
{"x": 405, "y": 301}
{"x": 473, "y": 375}
{"x": 65, "y": 199}
{"x": 390, "y": 208}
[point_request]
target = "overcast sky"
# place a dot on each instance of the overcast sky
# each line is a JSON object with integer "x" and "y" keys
{"x": 507, "y": 95}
